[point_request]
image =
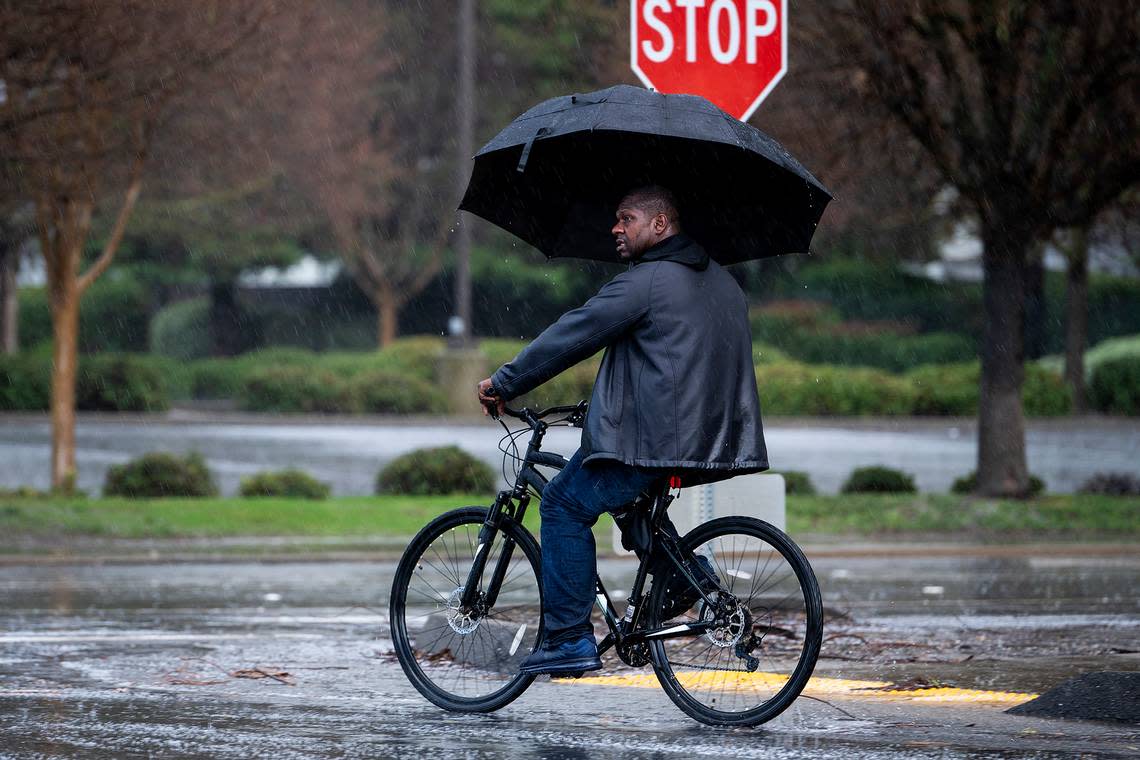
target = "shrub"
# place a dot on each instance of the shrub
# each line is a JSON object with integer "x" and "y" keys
{"x": 119, "y": 383}
{"x": 182, "y": 330}
{"x": 297, "y": 389}
{"x": 885, "y": 350}
{"x": 1114, "y": 348}
{"x": 387, "y": 392}
{"x": 945, "y": 390}
{"x": 443, "y": 470}
{"x": 797, "y": 482}
{"x": 113, "y": 315}
{"x": 25, "y": 382}
{"x": 878, "y": 480}
{"x": 159, "y": 474}
{"x": 416, "y": 354}
{"x": 217, "y": 378}
{"x": 772, "y": 322}
{"x": 969, "y": 484}
{"x": 792, "y": 388}
{"x": 952, "y": 389}
{"x": 1115, "y": 386}
{"x": 1112, "y": 484}
{"x": 289, "y": 484}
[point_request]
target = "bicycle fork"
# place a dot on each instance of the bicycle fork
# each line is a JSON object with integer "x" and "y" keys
{"x": 471, "y": 598}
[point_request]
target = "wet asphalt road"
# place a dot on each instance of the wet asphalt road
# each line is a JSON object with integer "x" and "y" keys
{"x": 348, "y": 453}
{"x": 139, "y": 660}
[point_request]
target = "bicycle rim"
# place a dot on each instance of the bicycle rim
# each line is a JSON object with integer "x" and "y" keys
{"x": 465, "y": 663}
{"x": 776, "y": 618}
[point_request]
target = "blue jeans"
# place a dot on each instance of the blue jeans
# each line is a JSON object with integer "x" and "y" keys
{"x": 571, "y": 503}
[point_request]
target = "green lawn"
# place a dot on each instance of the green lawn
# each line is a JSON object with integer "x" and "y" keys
{"x": 1049, "y": 517}
{"x": 1061, "y": 516}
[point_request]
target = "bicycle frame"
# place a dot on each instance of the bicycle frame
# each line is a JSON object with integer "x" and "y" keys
{"x": 624, "y": 631}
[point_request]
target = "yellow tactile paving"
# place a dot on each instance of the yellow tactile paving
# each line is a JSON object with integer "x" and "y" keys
{"x": 818, "y": 686}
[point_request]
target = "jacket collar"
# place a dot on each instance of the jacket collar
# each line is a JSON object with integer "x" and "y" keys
{"x": 679, "y": 248}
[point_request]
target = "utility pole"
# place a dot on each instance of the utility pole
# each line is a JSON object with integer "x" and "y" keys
{"x": 461, "y": 328}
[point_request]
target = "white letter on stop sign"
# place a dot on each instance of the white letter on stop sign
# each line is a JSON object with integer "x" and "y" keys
{"x": 728, "y": 54}
{"x": 754, "y": 30}
{"x": 666, "y": 50}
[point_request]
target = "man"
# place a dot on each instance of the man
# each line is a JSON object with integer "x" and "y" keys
{"x": 675, "y": 394}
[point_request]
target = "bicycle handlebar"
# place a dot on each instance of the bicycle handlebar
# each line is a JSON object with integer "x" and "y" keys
{"x": 532, "y": 417}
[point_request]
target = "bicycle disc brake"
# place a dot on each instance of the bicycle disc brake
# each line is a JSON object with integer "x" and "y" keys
{"x": 462, "y": 621}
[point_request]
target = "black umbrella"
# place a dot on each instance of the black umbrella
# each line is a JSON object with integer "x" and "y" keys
{"x": 554, "y": 176}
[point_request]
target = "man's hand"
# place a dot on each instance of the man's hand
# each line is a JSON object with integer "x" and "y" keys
{"x": 488, "y": 401}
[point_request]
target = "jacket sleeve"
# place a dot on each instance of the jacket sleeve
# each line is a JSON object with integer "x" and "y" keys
{"x": 577, "y": 335}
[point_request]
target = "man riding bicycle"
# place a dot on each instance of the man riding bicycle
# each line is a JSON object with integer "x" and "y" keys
{"x": 675, "y": 395}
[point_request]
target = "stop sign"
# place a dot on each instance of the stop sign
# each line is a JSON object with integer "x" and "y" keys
{"x": 732, "y": 52}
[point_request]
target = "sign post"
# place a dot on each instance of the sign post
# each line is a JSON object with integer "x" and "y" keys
{"x": 732, "y": 52}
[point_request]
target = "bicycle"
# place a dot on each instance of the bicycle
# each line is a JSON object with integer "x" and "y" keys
{"x": 466, "y": 604}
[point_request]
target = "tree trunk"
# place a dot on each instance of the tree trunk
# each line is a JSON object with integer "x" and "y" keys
{"x": 231, "y": 330}
{"x": 9, "y": 297}
{"x": 1002, "y": 467}
{"x": 1076, "y": 318}
{"x": 64, "y": 299}
{"x": 387, "y": 315}
{"x": 1035, "y": 307}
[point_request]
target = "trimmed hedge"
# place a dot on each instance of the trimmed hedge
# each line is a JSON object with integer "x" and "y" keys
{"x": 389, "y": 392}
{"x": 103, "y": 383}
{"x": 893, "y": 352}
{"x": 442, "y": 470}
{"x": 811, "y": 332}
{"x": 160, "y": 474}
{"x": 114, "y": 315}
{"x": 119, "y": 383}
{"x": 952, "y": 390}
{"x": 801, "y": 389}
{"x": 25, "y": 382}
{"x": 287, "y": 484}
{"x": 1115, "y": 386}
{"x": 878, "y": 480}
{"x": 969, "y": 483}
{"x": 297, "y": 389}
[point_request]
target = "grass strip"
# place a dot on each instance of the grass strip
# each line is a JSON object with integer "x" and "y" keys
{"x": 1064, "y": 516}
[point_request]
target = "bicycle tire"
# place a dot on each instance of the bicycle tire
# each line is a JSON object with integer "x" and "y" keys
{"x": 705, "y": 675}
{"x": 455, "y": 668}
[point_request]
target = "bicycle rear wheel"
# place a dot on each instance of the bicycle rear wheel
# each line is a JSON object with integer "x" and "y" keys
{"x": 466, "y": 662}
{"x": 768, "y": 626}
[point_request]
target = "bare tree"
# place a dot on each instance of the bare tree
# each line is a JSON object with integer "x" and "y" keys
{"x": 1030, "y": 111}
{"x": 86, "y": 88}
{"x": 369, "y": 126}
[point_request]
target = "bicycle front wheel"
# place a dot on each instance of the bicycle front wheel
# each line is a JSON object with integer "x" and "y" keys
{"x": 466, "y": 661}
{"x": 767, "y": 626}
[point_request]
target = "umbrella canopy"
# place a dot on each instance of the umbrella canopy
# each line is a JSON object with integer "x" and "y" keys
{"x": 555, "y": 175}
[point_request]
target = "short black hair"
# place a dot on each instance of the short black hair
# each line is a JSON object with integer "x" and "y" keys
{"x": 654, "y": 200}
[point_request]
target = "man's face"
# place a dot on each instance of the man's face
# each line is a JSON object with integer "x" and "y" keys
{"x": 635, "y": 231}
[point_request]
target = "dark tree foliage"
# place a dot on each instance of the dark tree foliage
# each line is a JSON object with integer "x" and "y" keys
{"x": 1030, "y": 110}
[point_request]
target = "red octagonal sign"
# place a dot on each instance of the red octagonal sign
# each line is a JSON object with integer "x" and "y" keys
{"x": 732, "y": 52}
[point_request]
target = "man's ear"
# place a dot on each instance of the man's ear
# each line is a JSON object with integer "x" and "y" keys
{"x": 660, "y": 223}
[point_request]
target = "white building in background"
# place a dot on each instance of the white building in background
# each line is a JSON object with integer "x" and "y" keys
{"x": 960, "y": 252}
{"x": 308, "y": 272}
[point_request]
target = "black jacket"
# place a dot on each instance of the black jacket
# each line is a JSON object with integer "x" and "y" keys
{"x": 676, "y": 388}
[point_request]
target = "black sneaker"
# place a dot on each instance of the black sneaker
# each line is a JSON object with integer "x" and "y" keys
{"x": 566, "y": 658}
{"x": 680, "y": 594}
